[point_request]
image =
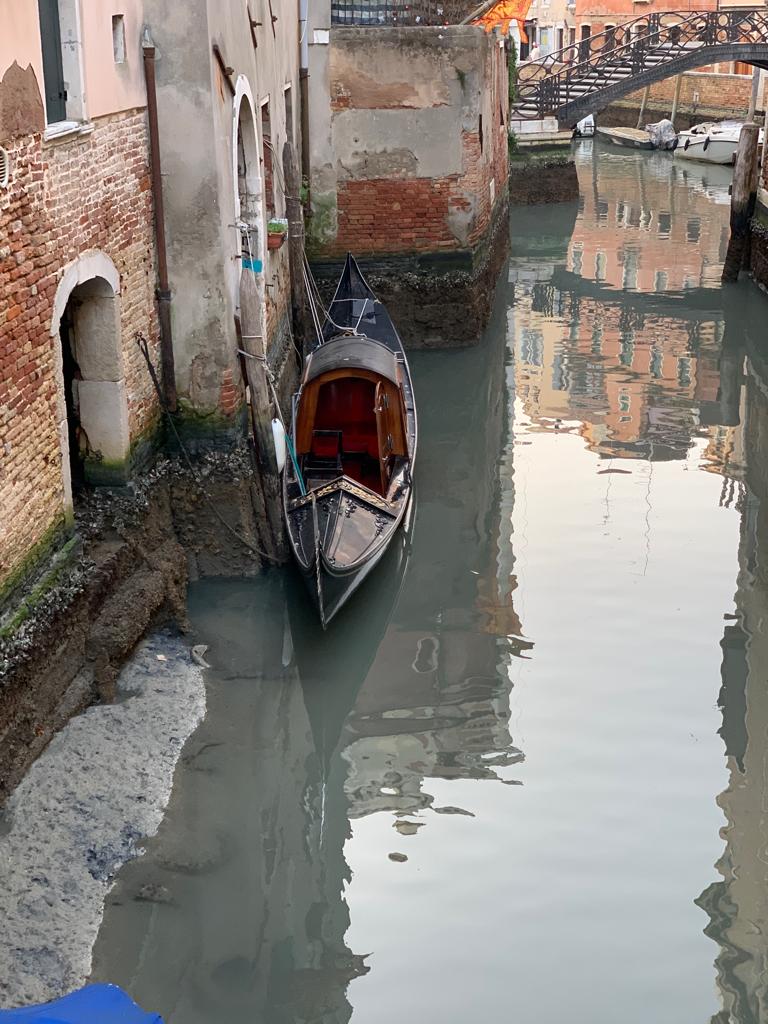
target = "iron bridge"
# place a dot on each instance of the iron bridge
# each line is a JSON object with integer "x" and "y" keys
{"x": 587, "y": 75}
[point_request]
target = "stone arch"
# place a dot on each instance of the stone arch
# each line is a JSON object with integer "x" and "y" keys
{"x": 92, "y": 407}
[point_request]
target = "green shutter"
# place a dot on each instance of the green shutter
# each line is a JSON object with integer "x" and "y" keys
{"x": 50, "y": 31}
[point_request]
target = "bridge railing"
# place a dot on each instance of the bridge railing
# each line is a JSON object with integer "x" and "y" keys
{"x": 374, "y": 13}
{"x": 647, "y": 41}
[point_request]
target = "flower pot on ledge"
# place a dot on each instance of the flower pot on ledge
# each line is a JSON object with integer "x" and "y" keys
{"x": 275, "y": 240}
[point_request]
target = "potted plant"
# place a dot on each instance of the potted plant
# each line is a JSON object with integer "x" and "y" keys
{"x": 277, "y": 229}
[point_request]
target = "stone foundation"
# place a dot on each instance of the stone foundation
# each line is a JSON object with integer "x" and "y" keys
{"x": 541, "y": 178}
{"x": 437, "y": 300}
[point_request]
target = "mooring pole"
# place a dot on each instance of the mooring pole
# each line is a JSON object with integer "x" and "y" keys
{"x": 256, "y": 370}
{"x": 643, "y": 102}
{"x": 295, "y": 243}
{"x": 756, "y": 73}
{"x": 743, "y": 196}
{"x": 676, "y": 98}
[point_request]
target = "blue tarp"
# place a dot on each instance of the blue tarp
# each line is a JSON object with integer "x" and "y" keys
{"x": 95, "y": 1004}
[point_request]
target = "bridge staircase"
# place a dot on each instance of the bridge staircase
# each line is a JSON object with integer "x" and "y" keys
{"x": 587, "y": 75}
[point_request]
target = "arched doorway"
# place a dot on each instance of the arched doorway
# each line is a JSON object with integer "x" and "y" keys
{"x": 93, "y": 403}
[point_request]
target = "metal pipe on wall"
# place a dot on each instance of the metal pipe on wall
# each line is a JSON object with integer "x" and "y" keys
{"x": 304, "y": 85}
{"x": 163, "y": 292}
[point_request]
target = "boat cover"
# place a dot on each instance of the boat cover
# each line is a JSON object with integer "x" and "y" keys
{"x": 352, "y": 351}
{"x": 94, "y": 1004}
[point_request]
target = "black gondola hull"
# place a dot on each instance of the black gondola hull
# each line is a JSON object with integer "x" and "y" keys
{"x": 340, "y": 525}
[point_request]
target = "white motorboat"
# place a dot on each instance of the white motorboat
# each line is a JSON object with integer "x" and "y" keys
{"x": 712, "y": 142}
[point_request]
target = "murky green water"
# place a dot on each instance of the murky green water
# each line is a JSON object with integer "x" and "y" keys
{"x": 524, "y": 777}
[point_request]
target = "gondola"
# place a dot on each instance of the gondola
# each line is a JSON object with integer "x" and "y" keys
{"x": 348, "y": 482}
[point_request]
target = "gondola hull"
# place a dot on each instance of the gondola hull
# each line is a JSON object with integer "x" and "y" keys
{"x": 348, "y": 484}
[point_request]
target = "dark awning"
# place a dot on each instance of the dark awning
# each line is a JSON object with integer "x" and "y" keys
{"x": 352, "y": 352}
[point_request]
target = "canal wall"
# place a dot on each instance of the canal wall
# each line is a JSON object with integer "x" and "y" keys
{"x": 541, "y": 177}
{"x": 409, "y": 171}
{"x": 704, "y": 96}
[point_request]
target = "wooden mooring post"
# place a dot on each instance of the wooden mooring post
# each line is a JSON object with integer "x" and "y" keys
{"x": 256, "y": 369}
{"x": 743, "y": 197}
{"x": 643, "y": 104}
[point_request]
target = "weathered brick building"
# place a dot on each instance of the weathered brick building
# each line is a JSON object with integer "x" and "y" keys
{"x": 76, "y": 266}
{"x": 409, "y": 166}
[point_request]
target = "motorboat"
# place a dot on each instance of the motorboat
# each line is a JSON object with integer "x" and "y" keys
{"x": 711, "y": 142}
{"x": 348, "y": 483}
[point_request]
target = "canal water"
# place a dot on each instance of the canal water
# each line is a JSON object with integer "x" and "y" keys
{"x": 524, "y": 776}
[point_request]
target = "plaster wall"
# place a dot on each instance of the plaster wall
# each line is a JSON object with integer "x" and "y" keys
{"x": 197, "y": 113}
{"x": 408, "y": 135}
{"x": 20, "y": 36}
{"x": 97, "y": 84}
{"x": 111, "y": 87}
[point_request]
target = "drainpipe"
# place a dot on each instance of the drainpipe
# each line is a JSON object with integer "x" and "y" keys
{"x": 304, "y": 85}
{"x": 163, "y": 292}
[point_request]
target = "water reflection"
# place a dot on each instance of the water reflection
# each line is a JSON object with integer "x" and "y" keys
{"x": 738, "y": 904}
{"x": 520, "y": 709}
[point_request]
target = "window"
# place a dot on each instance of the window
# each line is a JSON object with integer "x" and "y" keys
{"x": 5, "y": 168}
{"x": 288, "y": 99}
{"x": 53, "y": 71}
{"x": 62, "y": 60}
{"x": 118, "y": 38}
{"x": 267, "y": 159}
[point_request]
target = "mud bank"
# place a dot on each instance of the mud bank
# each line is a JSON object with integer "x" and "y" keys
{"x": 74, "y": 820}
{"x": 125, "y": 572}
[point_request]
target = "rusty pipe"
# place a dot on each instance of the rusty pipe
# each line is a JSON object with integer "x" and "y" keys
{"x": 163, "y": 292}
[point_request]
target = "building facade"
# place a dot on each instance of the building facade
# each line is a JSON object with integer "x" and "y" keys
{"x": 77, "y": 265}
{"x": 409, "y": 164}
{"x": 228, "y": 100}
{"x": 78, "y": 256}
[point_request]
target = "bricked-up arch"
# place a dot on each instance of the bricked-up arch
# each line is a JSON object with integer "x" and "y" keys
{"x": 87, "y": 342}
{"x": 246, "y": 165}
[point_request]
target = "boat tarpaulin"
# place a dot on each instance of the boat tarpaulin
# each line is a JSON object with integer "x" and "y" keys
{"x": 501, "y": 14}
{"x": 94, "y": 1004}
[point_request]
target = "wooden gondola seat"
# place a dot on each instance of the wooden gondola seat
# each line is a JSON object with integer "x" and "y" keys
{"x": 325, "y": 453}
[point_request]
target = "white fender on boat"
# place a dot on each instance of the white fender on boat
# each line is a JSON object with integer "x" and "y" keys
{"x": 279, "y": 438}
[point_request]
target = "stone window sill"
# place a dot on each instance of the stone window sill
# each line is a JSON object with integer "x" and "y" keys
{"x": 64, "y": 130}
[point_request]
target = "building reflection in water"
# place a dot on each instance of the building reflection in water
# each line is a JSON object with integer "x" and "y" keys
{"x": 738, "y": 904}
{"x": 435, "y": 702}
{"x": 620, "y": 338}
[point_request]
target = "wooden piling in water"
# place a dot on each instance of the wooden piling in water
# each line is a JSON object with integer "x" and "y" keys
{"x": 252, "y": 341}
{"x": 676, "y": 98}
{"x": 643, "y": 104}
{"x": 743, "y": 197}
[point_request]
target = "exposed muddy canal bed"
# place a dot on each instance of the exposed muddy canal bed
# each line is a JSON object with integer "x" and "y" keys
{"x": 522, "y": 776}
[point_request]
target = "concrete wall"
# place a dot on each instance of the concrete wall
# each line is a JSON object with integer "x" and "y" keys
{"x": 408, "y": 142}
{"x": 198, "y": 124}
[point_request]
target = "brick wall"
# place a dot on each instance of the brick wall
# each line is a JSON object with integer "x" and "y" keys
{"x": 720, "y": 91}
{"x": 65, "y": 199}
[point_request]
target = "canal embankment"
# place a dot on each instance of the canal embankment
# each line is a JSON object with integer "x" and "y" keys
{"x": 99, "y": 789}
{"x": 125, "y": 571}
